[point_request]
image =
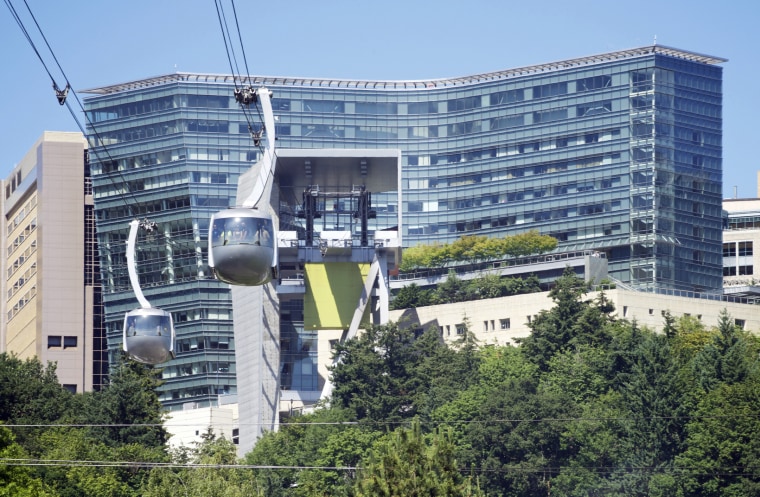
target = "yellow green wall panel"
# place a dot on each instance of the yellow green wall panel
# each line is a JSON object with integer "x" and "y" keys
{"x": 332, "y": 292}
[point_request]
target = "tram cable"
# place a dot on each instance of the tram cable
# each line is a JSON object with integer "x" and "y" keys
{"x": 62, "y": 97}
{"x": 146, "y": 321}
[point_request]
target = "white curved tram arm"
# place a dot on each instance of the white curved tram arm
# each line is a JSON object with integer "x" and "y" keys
{"x": 133, "y": 228}
{"x": 263, "y": 187}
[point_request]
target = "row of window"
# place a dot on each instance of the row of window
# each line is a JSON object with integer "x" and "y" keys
{"x": 738, "y": 270}
{"x": 165, "y": 103}
{"x": 504, "y": 324}
{"x": 20, "y": 215}
{"x": 520, "y": 172}
{"x": 28, "y": 230}
{"x": 19, "y": 283}
{"x": 21, "y": 303}
{"x": 203, "y": 343}
{"x": 195, "y": 368}
{"x": 744, "y": 223}
{"x": 203, "y": 391}
{"x": 58, "y": 342}
{"x": 511, "y": 150}
{"x": 488, "y": 325}
{"x": 22, "y": 258}
{"x": 732, "y": 249}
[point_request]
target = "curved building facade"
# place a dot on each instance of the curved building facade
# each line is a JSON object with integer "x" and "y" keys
{"x": 618, "y": 152}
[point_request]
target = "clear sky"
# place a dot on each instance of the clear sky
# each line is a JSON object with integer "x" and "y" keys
{"x": 103, "y": 42}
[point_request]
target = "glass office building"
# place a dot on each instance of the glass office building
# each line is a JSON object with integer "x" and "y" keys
{"x": 618, "y": 152}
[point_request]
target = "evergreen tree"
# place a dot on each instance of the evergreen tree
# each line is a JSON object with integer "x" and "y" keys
{"x": 653, "y": 401}
{"x": 127, "y": 408}
{"x": 407, "y": 465}
{"x": 552, "y": 330}
{"x": 30, "y": 394}
{"x": 722, "y": 455}
{"x": 374, "y": 374}
{"x": 730, "y": 357}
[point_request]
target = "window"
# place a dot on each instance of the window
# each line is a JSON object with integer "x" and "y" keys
{"x": 594, "y": 108}
{"x": 505, "y": 324}
{"x": 54, "y": 342}
{"x": 745, "y": 248}
{"x": 740, "y": 323}
{"x": 550, "y": 90}
{"x": 507, "y": 97}
{"x": 69, "y": 342}
{"x": 593, "y": 83}
{"x": 460, "y": 329}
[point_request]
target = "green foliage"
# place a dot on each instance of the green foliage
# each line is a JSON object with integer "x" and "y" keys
{"x": 411, "y": 296}
{"x": 17, "y": 481}
{"x": 554, "y": 330}
{"x": 212, "y": 473}
{"x": 129, "y": 404}
{"x": 455, "y": 289}
{"x": 475, "y": 248}
{"x": 30, "y": 394}
{"x": 406, "y": 464}
{"x": 374, "y": 374}
{"x": 730, "y": 357}
{"x": 722, "y": 454}
{"x": 117, "y": 480}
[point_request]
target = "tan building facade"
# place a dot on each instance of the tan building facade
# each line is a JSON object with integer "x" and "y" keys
{"x": 502, "y": 320}
{"x": 741, "y": 243}
{"x": 51, "y": 298}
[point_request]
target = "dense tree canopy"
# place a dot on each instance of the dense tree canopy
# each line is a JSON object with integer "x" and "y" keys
{"x": 586, "y": 405}
{"x": 455, "y": 289}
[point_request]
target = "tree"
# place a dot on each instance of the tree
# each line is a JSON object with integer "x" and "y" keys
{"x": 408, "y": 465}
{"x": 17, "y": 481}
{"x": 730, "y": 357}
{"x": 411, "y": 296}
{"x": 474, "y": 248}
{"x": 553, "y": 330}
{"x": 452, "y": 290}
{"x": 722, "y": 455}
{"x": 517, "y": 438}
{"x": 129, "y": 404}
{"x": 211, "y": 473}
{"x": 652, "y": 399}
{"x": 30, "y": 394}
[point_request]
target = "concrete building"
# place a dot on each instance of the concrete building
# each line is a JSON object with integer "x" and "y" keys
{"x": 52, "y": 303}
{"x": 618, "y": 153}
{"x": 500, "y": 321}
{"x": 741, "y": 235}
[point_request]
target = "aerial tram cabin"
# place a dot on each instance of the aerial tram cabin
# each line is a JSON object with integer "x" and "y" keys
{"x": 148, "y": 335}
{"x": 242, "y": 241}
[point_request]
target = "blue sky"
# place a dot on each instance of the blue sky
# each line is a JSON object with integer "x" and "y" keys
{"x": 102, "y": 42}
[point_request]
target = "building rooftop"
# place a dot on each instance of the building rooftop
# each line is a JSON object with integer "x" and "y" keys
{"x": 410, "y": 84}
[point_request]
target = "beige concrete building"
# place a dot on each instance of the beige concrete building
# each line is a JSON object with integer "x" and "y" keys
{"x": 52, "y": 304}
{"x": 501, "y": 320}
{"x": 740, "y": 237}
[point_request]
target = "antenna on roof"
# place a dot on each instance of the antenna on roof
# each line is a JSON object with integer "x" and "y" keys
{"x": 655, "y": 40}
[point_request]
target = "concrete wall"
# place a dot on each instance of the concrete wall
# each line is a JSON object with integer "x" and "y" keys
{"x": 487, "y": 318}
